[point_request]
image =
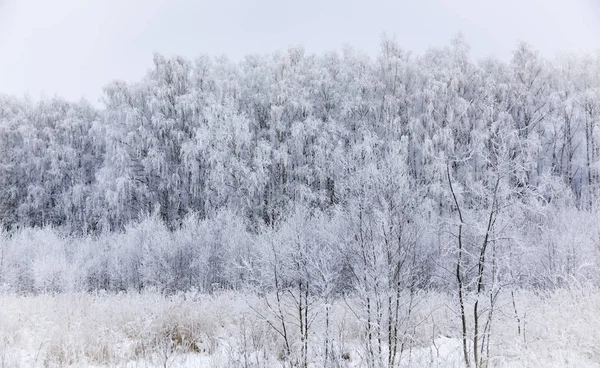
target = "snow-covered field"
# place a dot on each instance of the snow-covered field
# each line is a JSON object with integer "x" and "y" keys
{"x": 231, "y": 329}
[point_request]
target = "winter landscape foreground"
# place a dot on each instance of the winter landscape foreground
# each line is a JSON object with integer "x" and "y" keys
{"x": 557, "y": 329}
{"x": 301, "y": 210}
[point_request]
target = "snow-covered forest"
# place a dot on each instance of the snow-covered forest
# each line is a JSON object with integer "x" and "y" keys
{"x": 356, "y": 210}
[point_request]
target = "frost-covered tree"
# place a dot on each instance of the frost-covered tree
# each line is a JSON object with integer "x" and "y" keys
{"x": 200, "y": 144}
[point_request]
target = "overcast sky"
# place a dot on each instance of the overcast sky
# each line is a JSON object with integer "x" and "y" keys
{"x": 74, "y": 47}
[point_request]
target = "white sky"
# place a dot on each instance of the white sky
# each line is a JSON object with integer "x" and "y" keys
{"x": 74, "y": 47}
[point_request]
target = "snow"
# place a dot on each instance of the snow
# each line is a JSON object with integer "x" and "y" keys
{"x": 307, "y": 210}
{"x": 141, "y": 330}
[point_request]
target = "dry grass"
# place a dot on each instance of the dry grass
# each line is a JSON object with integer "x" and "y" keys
{"x": 147, "y": 329}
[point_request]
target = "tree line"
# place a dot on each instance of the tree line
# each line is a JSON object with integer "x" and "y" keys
{"x": 313, "y": 178}
{"x": 264, "y": 134}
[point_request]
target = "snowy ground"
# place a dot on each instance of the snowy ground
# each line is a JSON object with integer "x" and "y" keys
{"x": 560, "y": 329}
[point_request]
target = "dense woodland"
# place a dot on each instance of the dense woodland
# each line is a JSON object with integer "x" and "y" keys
{"x": 268, "y": 133}
{"x": 401, "y": 151}
{"x": 305, "y": 177}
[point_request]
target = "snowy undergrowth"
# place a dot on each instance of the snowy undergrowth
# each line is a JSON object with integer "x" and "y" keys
{"x": 232, "y": 329}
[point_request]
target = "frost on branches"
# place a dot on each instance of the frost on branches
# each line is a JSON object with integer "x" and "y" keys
{"x": 317, "y": 183}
